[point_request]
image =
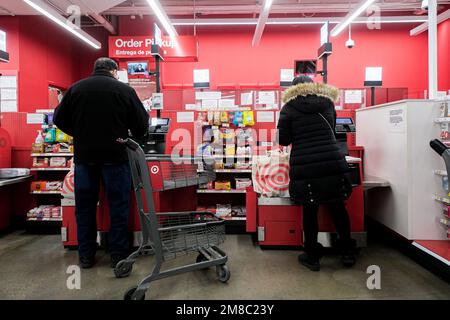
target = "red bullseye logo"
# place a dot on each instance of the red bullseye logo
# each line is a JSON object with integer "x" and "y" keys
{"x": 273, "y": 177}
{"x": 154, "y": 169}
{"x": 69, "y": 184}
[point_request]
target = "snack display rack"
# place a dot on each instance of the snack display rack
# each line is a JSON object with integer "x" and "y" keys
{"x": 51, "y": 162}
{"x": 227, "y": 122}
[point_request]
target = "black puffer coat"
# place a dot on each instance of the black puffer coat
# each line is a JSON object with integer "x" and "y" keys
{"x": 317, "y": 166}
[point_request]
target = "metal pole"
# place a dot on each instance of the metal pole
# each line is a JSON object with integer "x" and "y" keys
{"x": 158, "y": 78}
{"x": 432, "y": 49}
{"x": 325, "y": 69}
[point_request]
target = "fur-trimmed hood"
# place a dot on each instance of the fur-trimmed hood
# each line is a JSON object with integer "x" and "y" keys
{"x": 315, "y": 89}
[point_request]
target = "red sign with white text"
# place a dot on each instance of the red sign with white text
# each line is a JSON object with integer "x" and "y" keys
{"x": 182, "y": 48}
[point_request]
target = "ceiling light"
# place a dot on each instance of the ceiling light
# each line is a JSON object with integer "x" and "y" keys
{"x": 162, "y": 17}
{"x": 53, "y": 15}
{"x": 350, "y": 17}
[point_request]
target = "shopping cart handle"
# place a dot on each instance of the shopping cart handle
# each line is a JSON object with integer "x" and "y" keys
{"x": 133, "y": 145}
{"x": 438, "y": 146}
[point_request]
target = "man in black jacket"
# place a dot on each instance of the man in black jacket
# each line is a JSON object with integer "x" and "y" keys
{"x": 97, "y": 111}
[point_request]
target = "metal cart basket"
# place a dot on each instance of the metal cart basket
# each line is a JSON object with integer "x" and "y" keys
{"x": 171, "y": 234}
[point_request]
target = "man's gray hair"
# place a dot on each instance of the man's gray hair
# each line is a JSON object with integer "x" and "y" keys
{"x": 106, "y": 64}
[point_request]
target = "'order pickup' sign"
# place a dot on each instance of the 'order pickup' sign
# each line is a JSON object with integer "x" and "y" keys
{"x": 182, "y": 48}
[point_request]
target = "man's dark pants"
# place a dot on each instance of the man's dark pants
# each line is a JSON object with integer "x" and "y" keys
{"x": 117, "y": 182}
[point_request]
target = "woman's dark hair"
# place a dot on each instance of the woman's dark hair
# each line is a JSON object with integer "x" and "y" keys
{"x": 106, "y": 64}
{"x": 301, "y": 79}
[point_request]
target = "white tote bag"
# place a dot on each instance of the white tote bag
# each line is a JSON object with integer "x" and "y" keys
{"x": 270, "y": 174}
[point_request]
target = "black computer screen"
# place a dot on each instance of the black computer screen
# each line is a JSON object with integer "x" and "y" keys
{"x": 159, "y": 122}
{"x": 344, "y": 121}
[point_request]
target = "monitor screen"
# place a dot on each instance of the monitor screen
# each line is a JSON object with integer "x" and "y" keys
{"x": 344, "y": 121}
{"x": 306, "y": 67}
{"x": 159, "y": 122}
{"x": 138, "y": 68}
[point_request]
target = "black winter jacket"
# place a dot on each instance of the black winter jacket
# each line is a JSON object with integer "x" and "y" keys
{"x": 96, "y": 111}
{"x": 317, "y": 166}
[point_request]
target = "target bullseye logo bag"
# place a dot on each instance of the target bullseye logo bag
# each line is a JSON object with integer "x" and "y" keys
{"x": 270, "y": 174}
{"x": 68, "y": 190}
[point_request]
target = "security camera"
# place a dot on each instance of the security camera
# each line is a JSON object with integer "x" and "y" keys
{"x": 350, "y": 43}
{"x": 424, "y": 4}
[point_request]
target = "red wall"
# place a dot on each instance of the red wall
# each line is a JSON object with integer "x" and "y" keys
{"x": 228, "y": 53}
{"x": 443, "y": 55}
{"x": 44, "y": 54}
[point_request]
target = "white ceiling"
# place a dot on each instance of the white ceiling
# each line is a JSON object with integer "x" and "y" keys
{"x": 209, "y": 8}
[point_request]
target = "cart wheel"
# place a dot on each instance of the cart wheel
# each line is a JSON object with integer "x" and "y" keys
{"x": 123, "y": 268}
{"x": 130, "y": 292}
{"x": 223, "y": 273}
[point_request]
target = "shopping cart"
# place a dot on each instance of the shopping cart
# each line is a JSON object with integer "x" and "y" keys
{"x": 171, "y": 234}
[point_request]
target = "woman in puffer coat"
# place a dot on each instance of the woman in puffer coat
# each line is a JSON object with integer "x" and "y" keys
{"x": 317, "y": 166}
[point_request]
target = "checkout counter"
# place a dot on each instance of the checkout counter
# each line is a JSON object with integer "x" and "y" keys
{"x": 170, "y": 178}
{"x": 278, "y": 221}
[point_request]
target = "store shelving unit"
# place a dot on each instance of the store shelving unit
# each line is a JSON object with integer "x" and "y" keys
{"x": 230, "y": 170}
{"x": 47, "y": 197}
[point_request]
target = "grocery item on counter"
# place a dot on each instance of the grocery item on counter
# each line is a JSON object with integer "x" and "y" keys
{"x": 62, "y": 147}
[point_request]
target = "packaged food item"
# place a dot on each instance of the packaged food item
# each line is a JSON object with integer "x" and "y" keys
{"x": 53, "y": 185}
{"x": 217, "y": 121}
{"x": 50, "y": 135}
{"x": 218, "y": 164}
{"x": 206, "y": 186}
{"x": 37, "y": 148}
{"x": 224, "y": 117}
{"x": 242, "y": 164}
{"x": 249, "y": 119}
{"x": 40, "y": 162}
{"x": 222, "y": 185}
{"x": 38, "y": 186}
{"x": 58, "y": 162}
{"x": 242, "y": 183}
{"x": 238, "y": 119}
{"x": 445, "y": 131}
{"x": 230, "y": 150}
{"x": 62, "y": 148}
{"x": 238, "y": 211}
{"x": 48, "y": 148}
{"x": 61, "y": 136}
{"x": 223, "y": 210}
